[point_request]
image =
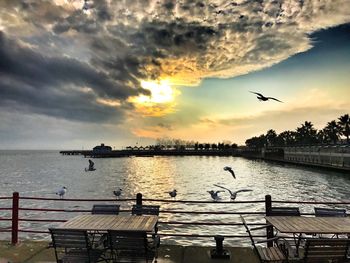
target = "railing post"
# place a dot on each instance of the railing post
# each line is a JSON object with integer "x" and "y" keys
{"x": 139, "y": 199}
{"x": 269, "y": 229}
{"x": 15, "y": 206}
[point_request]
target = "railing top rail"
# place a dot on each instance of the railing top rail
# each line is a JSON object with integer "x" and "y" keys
{"x": 312, "y": 202}
{"x": 201, "y": 202}
{"x": 78, "y": 199}
{"x": 178, "y": 201}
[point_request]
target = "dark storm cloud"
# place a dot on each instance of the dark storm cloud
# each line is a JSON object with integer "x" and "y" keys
{"x": 124, "y": 42}
{"x": 58, "y": 86}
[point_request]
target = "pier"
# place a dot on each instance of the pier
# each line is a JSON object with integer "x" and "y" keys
{"x": 335, "y": 157}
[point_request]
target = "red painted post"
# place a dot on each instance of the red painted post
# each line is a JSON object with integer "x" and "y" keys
{"x": 15, "y": 206}
{"x": 269, "y": 229}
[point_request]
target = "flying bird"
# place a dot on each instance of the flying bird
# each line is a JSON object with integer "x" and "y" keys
{"x": 117, "y": 192}
{"x": 173, "y": 193}
{"x": 263, "y": 98}
{"x": 86, "y": 5}
{"x": 233, "y": 194}
{"x": 215, "y": 194}
{"x": 61, "y": 192}
{"x": 229, "y": 169}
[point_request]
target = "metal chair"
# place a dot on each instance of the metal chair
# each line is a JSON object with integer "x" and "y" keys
{"x": 284, "y": 211}
{"x": 104, "y": 209}
{"x": 326, "y": 250}
{"x": 145, "y": 210}
{"x": 100, "y": 238}
{"x": 131, "y": 246}
{"x": 329, "y": 212}
{"x": 287, "y": 211}
{"x": 148, "y": 210}
{"x": 74, "y": 246}
{"x": 325, "y": 212}
{"x": 266, "y": 254}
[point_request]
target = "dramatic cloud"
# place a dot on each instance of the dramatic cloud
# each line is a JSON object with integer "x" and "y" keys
{"x": 59, "y": 61}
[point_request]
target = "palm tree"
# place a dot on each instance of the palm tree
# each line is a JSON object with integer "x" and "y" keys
{"x": 286, "y": 138}
{"x": 344, "y": 122}
{"x": 306, "y": 134}
{"x": 321, "y": 136}
{"x": 332, "y": 131}
{"x": 271, "y": 136}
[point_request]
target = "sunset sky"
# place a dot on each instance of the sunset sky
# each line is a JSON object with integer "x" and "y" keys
{"x": 127, "y": 72}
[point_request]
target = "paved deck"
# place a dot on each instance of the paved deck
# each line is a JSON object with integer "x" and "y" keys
{"x": 38, "y": 252}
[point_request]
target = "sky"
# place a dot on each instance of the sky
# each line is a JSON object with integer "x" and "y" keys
{"x": 75, "y": 74}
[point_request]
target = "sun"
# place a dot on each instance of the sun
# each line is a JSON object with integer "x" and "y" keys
{"x": 160, "y": 101}
{"x": 161, "y": 92}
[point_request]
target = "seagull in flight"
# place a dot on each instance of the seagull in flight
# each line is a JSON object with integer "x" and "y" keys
{"x": 215, "y": 194}
{"x": 173, "y": 193}
{"x": 229, "y": 169}
{"x": 61, "y": 192}
{"x": 86, "y": 5}
{"x": 263, "y": 98}
{"x": 233, "y": 194}
{"x": 117, "y": 192}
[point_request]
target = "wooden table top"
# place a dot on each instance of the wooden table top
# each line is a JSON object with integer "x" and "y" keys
{"x": 144, "y": 223}
{"x": 310, "y": 225}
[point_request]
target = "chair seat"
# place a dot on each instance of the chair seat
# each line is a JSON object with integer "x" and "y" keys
{"x": 76, "y": 255}
{"x": 271, "y": 254}
{"x": 126, "y": 256}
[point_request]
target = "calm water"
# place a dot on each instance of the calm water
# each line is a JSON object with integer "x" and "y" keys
{"x": 42, "y": 173}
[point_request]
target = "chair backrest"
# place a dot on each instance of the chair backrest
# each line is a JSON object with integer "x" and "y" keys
{"x": 284, "y": 211}
{"x": 128, "y": 241}
{"x": 326, "y": 249}
{"x": 325, "y": 212}
{"x": 145, "y": 210}
{"x": 67, "y": 238}
{"x": 248, "y": 231}
{"x": 105, "y": 209}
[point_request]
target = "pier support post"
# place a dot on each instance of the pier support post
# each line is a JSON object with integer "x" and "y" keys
{"x": 269, "y": 229}
{"x": 139, "y": 199}
{"x": 15, "y": 206}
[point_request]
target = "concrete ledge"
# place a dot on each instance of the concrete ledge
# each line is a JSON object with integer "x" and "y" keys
{"x": 38, "y": 252}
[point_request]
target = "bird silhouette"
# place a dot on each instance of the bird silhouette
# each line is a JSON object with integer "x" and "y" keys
{"x": 117, "y": 192}
{"x": 233, "y": 193}
{"x": 263, "y": 98}
{"x": 215, "y": 194}
{"x": 86, "y": 5}
{"x": 61, "y": 192}
{"x": 173, "y": 193}
{"x": 229, "y": 169}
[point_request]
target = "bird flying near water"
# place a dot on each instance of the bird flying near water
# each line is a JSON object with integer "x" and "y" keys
{"x": 229, "y": 169}
{"x": 61, "y": 192}
{"x": 263, "y": 98}
{"x": 215, "y": 194}
{"x": 233, "y": 193}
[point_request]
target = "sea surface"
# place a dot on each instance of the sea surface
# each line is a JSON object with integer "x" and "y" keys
{"x": 42, "y": 173}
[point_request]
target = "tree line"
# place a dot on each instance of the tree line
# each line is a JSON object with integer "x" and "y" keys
{"x": 334, "y": 132}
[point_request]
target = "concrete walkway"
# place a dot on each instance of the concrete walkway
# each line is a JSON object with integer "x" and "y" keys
{"x": 38, "y": 252}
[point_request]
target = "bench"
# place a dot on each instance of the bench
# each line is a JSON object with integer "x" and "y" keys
{"x": 320, "y": 250}
{"x": 73, "y": 246}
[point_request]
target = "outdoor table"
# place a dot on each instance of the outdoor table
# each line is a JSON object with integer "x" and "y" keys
{"x": 309, "y": 225}
{"x": 140, "y": 223}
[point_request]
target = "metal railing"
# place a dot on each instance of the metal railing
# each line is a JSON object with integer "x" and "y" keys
{"x": 267, "y": 202}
